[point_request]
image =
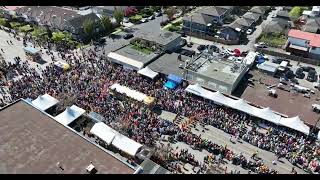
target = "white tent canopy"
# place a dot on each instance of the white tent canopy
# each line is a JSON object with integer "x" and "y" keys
{"x": 125, "y": 60}
{"x": 126, "y": 144}
{"x": 69, "y": 115}
{"x": 241, "y": 105}
{"x": 250, "y": 58}
{"x": 129, "y": 92}
{"x": 295, "y": 123}
{"x": 104, "y": 132}
{"x": 44, "y": 102}
{"x": 267, "y": 113}
{"x": 319, "y": 135}
{"x": 148, "y": 72}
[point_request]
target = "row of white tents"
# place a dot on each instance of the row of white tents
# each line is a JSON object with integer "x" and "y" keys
{"x": 266, "y": 113}
{"x": 112, "y": 137}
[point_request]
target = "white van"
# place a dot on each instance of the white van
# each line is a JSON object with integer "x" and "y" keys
{"x": 283, "y": 65}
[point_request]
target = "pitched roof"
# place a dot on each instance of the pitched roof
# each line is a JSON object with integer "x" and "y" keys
{"x": 49, "y": 15}
{"x": 259, "y": 9}
{"x": 283, "y": 14}
{"x": 244, "y": 22}
{"x": 313, "y": 38}
{"x": 78, "y": 21}
{"x": 199, "y": 18}
{"x": 213, "y": 11}
{"x": 235, "y": 25}
{"x": 251, "y": 15}
{"x": 277, "y": 25}
{"x": 312, "y": 25}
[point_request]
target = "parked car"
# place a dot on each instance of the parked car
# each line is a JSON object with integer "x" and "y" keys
{"x": 99, "y": 42}
{"x": 143, "y": 20}
{"x": 249, "y": 31}
{"x": 201, "y": 47}
{"x": 307, "y": 68}
{"x": 213, "y": 48}
{"x": 260, "y": 45}
{"x": 299, "y": 73}
{"x": 183, "y": 42}
{"x": 277, "y": 61}
{"x": 189, "y": 44}
{"x": 273, "y": 16}
{"x": 151, "y": 17}
{"x": 125, "y": 20}
{"x": 312, "y": 76}
{"x": 157, "y": 14}
{"x": 128, "y": 36}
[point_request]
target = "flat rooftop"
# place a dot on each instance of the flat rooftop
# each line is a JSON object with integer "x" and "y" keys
{"x": 168, "y": 64}
{"x": 217, "y": 69}
{"x": 136, "y": 55}
{"x": 163, "y": 38}
{"x": 286, "y": 103}
{"x": 32, "y": 142}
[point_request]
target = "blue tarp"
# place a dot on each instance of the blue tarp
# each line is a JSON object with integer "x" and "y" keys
{"x": 261, "y": 60}
{"x": 175, "y": 78}
{"x": 30, "y": 50}
{"x": 170, "y": 85}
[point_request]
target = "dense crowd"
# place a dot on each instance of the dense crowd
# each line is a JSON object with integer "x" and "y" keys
{"x": 87, "y": 84}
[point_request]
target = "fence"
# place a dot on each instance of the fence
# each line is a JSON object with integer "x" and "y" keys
{"x": 211, "y": 38}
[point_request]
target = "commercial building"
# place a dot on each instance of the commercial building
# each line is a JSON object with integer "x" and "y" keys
{"x": 215, "y": 72}
{"x": 32, "y": 141}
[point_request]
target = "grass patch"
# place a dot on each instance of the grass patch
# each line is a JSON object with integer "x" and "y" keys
{"x": 141, "y": 48}
{"x": 3, "y": 22}
{"x": 273, "y": 39}
{"x": 26, "y": 28}
{"x": 135, "y": 18}
{"x": 15, "y": 25}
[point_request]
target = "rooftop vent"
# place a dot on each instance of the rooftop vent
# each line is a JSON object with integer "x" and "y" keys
{"x": 91, "y": 169}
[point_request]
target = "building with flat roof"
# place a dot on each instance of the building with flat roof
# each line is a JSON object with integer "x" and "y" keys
{"x": 165, "y": 40}
{"x": 215, "y": 72}
{"x": 132, "y": 58}
{"x": 33, "y": 142}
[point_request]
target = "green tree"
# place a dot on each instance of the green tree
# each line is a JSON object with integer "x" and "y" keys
{"x": 106, "y": 23}
{"x": 3, "y": 22}
{"x": 118, "y": 15}
{"x": 295, "y": 12}
{"x": 88, "y": 27}
{"x": 170, "y": 12}
{"x": 58, "y": 36}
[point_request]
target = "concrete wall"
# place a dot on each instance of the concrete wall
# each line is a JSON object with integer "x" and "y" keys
{"x": 209, "y": 83}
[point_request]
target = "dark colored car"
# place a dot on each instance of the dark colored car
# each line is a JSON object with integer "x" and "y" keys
{"x": 183, "y": 42}
{"x": 299, "y": 73}
{"x": 201, "y": 47}
{"x": 128, "y": 36}
{"x": 189, "y": 44}
{"x": 277, "y": 61}
{"x": 99, "y": 42}
{"x": 308, "y": 68}
{"x": 289, "y": 74}
{"x": 312, "y": 75}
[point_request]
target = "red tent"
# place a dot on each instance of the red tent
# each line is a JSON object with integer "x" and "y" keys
{"x": 237, "y": 52}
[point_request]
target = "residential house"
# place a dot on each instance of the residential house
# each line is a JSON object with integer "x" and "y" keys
{"x": 202, "y": 22}
{"x": 304, "y": 43}
{"x": 9, "y": 11}
{"x": 58, "y": 18}
{"x": 259, "y": 9}
{"x": 283, "y": 15}
{"x": 242, "y": 24}
{"x": 315, "y": 12}
{"x": 108, "y": 10}
{"x": 230, "y": 34}
{"x": 278, "y": 25}
{"x": 256, "y": 17}
{"x": 287, "y": 8}
{"x": 312, "y": 26}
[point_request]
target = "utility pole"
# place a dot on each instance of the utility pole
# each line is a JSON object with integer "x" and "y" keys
{"x": 190, "y": 28}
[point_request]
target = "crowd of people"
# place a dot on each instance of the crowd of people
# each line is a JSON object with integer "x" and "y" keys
{"x": 87, "y": 83}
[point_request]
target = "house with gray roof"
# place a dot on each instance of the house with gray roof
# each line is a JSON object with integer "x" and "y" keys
{"x": 312, "y": 25}
{"x": 253, "y": 16}
{"x": 283, "y": 15}
{"x": 278, "y": 25}
{"x": 259, "y": 9}
{"x": 202, "y": 21}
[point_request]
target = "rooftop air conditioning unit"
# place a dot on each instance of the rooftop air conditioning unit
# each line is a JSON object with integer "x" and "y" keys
{"x": 91, "y": 169}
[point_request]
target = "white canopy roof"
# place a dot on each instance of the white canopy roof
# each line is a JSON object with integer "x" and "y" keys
{"x": 44, "y": 102}
{"x": 148, "y": 72}
{"x": 129, "y": 92}
{"x": 69, "y": 115}
{"x": 241, "y": 105}
{"x": 103, "y": 131}
{"x": 319, "y": 135}
{"x": 295, "y": 123}
{"x": 125, "y": 60}
{"x": 126, "y": 144}
{"x": 267, "y": 113}
{"x": 250, "y": 58}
